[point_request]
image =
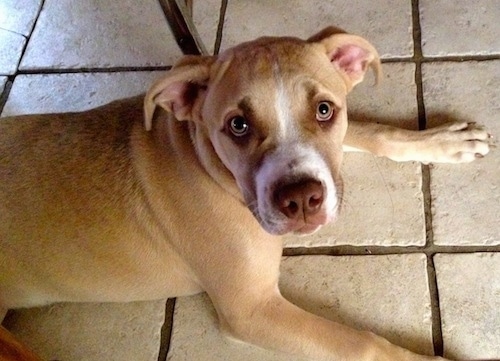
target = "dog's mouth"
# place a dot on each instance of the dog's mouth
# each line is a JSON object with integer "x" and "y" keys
{"x": 278, "y": 225}
{"x": 303, "y": 227}
{"x": 308, "y": 229}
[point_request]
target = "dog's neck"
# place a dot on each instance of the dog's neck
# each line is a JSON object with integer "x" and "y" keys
{"x": 211, "y": 162}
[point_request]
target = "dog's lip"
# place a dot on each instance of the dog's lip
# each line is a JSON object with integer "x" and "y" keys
{"x": 307, "y": 229}
{"x": 297, "y": 228}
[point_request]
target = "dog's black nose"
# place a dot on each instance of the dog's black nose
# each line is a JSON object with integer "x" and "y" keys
{"x": 299, "y": 199}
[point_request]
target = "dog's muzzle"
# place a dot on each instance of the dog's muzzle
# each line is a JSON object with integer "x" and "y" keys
{"x": 295, "y": 192}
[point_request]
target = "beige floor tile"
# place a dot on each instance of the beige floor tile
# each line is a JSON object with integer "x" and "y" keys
{"x": 11, "y": 49}
{"x": 385, "y": 294}
{"x": 393, "y": 101}
{"x": 469, "y": 294}
{"x": 73, "y": 92}
{"x": 383, "y": 199}
{"x": 90, "y": 34}
{"x": 91, "y": 332}
{"x": 465, "y": 198}
{"x": 388, "y": 27}
{"x": 19, "y": 15}
{"x": 460, "y": 27}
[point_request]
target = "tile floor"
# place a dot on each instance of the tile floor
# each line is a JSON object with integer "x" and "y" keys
{"x": 416, "y": 254}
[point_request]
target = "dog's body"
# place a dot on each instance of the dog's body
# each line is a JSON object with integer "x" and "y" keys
{"x": 94, "y": 208}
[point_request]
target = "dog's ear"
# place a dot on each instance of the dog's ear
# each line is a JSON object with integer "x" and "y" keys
{"x": 179, "y": 92}
{"x": 350, "y": 54}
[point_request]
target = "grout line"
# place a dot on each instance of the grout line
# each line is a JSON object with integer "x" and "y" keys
{"x": 427, "y": 198}
{"x": 220, "y": 27}
{"x": 37, "y": 16}
{"x": 417, "y": 58}
{"x": 117, "y": 69}
{"x": 403, "y": 59}
{"x": 437, "y": 332}
{"x": 28, "y": 37}
{"x": 347, "y": 250}
{"x": 5, "y": 93}
{"x": 12, "y": 32}
{"x": 460, "y": 58}
{"x": 441, "y": 58}
{"x": 166, "y": 330}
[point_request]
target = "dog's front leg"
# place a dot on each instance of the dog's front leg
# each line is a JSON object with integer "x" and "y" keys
{"x": 449, "y": 143}
{"x": 268, "y": 320}
{"x": 244, "y": 290}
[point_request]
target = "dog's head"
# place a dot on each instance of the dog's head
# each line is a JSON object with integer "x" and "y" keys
{"x": 274, "y": 110}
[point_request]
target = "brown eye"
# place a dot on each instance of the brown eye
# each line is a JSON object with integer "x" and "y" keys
{"x": 238, "y": 126}
{"x": 324, "y": 111}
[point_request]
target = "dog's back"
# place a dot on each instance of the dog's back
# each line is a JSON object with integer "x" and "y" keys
{"x": 53, "y": 169}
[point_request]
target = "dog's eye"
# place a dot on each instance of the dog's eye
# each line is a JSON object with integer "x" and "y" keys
{"x": 238, "y": 126}
{"x": 324, "y": 111}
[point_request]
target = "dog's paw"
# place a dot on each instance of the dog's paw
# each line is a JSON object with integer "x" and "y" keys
{"x": 454, "y": 143}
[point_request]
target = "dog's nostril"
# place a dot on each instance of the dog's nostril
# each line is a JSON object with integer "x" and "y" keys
{"x": 286, "y": 204}
{"x": 315, "y": 201}
{"x": 292, "y": 207}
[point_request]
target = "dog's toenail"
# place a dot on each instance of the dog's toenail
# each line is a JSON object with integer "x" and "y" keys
{"x": 478, "y": 155}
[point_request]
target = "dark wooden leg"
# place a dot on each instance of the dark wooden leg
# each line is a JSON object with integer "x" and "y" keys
{"x": 179, "y": 16}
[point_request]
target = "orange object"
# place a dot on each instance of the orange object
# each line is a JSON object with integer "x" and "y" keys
{"x": 13, "y": 350}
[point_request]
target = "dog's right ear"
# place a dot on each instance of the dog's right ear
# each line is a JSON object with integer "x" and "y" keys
{"x": 351, "y": 55}
{"x": 181, "y": 90}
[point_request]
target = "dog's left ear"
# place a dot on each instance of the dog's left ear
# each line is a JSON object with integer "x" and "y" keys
{"x": 351, "y": 55}
{"x": 180, "y": 91}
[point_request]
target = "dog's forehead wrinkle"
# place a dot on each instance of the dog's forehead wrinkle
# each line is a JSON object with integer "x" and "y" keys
{"x": 245, "y": 105}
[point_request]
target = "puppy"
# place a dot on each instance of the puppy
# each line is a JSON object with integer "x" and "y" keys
{"x": 235, "y": 151}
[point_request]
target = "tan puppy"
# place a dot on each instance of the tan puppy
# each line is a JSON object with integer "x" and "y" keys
{"x": 95, "y": 208}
